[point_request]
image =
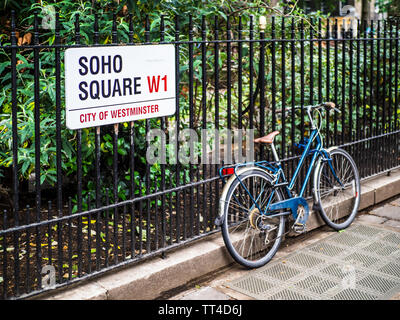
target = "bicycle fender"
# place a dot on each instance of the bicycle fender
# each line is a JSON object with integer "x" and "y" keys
{"x": 219, "y": 220}
{"x": 317, "y": 166}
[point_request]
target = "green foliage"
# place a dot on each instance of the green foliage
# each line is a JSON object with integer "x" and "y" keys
{"x": 391, "y": 7}
{"x": 148, "y": 179}
{"x": 25, "y": 97}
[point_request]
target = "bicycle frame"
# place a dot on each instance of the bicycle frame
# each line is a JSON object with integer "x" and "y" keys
{"x": 257, "y": 201}
{"x": 291, "y": 201}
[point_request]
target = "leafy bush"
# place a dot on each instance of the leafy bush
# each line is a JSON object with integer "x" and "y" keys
{"x": 68, "y": 11}
{"x": 25, "y": 83}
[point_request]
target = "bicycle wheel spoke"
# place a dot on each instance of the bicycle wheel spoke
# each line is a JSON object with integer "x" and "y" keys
{"x": 244, "y": 219}
{"x": 237, "y": 205}
{"x": 337, "y": 190}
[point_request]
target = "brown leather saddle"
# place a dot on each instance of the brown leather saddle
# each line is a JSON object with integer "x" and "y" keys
{"x": 269, "y": 138}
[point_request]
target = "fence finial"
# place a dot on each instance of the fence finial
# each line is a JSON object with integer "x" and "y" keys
{"x": 263, "y": 23}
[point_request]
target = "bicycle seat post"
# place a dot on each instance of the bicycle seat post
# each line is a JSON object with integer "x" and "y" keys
{"x": 275, "y": 154}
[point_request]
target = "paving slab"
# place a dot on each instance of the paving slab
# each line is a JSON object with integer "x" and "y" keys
{"x": 396, "y": 202}
{"x": 236, "y": 271}
{"x": 388, "y": 211}
{"x": 369, "y": 218}
{"x": 206, "y": 293}
{"x": 392, "y": 223}
{"x": 360, "y": 263}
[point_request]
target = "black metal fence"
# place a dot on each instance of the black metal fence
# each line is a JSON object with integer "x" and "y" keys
{"x": 80, "y": 203}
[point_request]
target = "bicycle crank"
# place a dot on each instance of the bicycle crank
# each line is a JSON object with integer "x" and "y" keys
{"x": 299, "y": 226}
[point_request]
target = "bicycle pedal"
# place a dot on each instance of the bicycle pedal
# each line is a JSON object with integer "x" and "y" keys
{"x": 267, "y": 227}
{"x": 299, "y": 227}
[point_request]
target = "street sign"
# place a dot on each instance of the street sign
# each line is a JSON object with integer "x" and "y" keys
{"x": 107, "y": 85}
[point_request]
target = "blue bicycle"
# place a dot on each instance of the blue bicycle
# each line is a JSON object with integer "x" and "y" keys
{"x": 257, "y": 198}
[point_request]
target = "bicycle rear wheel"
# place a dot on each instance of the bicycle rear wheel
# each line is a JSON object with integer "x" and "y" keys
{"x": 338, "y": 191}
{"x": 252, "y": 239}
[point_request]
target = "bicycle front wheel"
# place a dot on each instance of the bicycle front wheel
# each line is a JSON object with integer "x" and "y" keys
{"x": 251, "y": 238}
{"x": 337, "y": 189}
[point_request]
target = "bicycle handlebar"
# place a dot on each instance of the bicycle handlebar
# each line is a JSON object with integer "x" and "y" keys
{"x": 327, "y": 105}
{"x": 330, "y": 105}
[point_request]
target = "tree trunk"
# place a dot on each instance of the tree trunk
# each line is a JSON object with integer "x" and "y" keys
{"x": 365, "y": 10}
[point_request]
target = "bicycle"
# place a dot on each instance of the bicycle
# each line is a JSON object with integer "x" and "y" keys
{"x": 257, "y": 199}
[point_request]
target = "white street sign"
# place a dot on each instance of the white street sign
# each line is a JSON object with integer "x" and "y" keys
{"x": 106, "y": 85}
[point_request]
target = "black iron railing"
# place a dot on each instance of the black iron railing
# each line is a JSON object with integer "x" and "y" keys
{"x": 80, "y": 203}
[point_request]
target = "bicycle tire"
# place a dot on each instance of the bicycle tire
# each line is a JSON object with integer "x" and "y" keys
{"x": 337, "y": 203}
{"x": 250, "y": 221}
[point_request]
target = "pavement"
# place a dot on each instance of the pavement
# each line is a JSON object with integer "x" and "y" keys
{"x": 200, "y": 269}
{"x": 385, "y": 216}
